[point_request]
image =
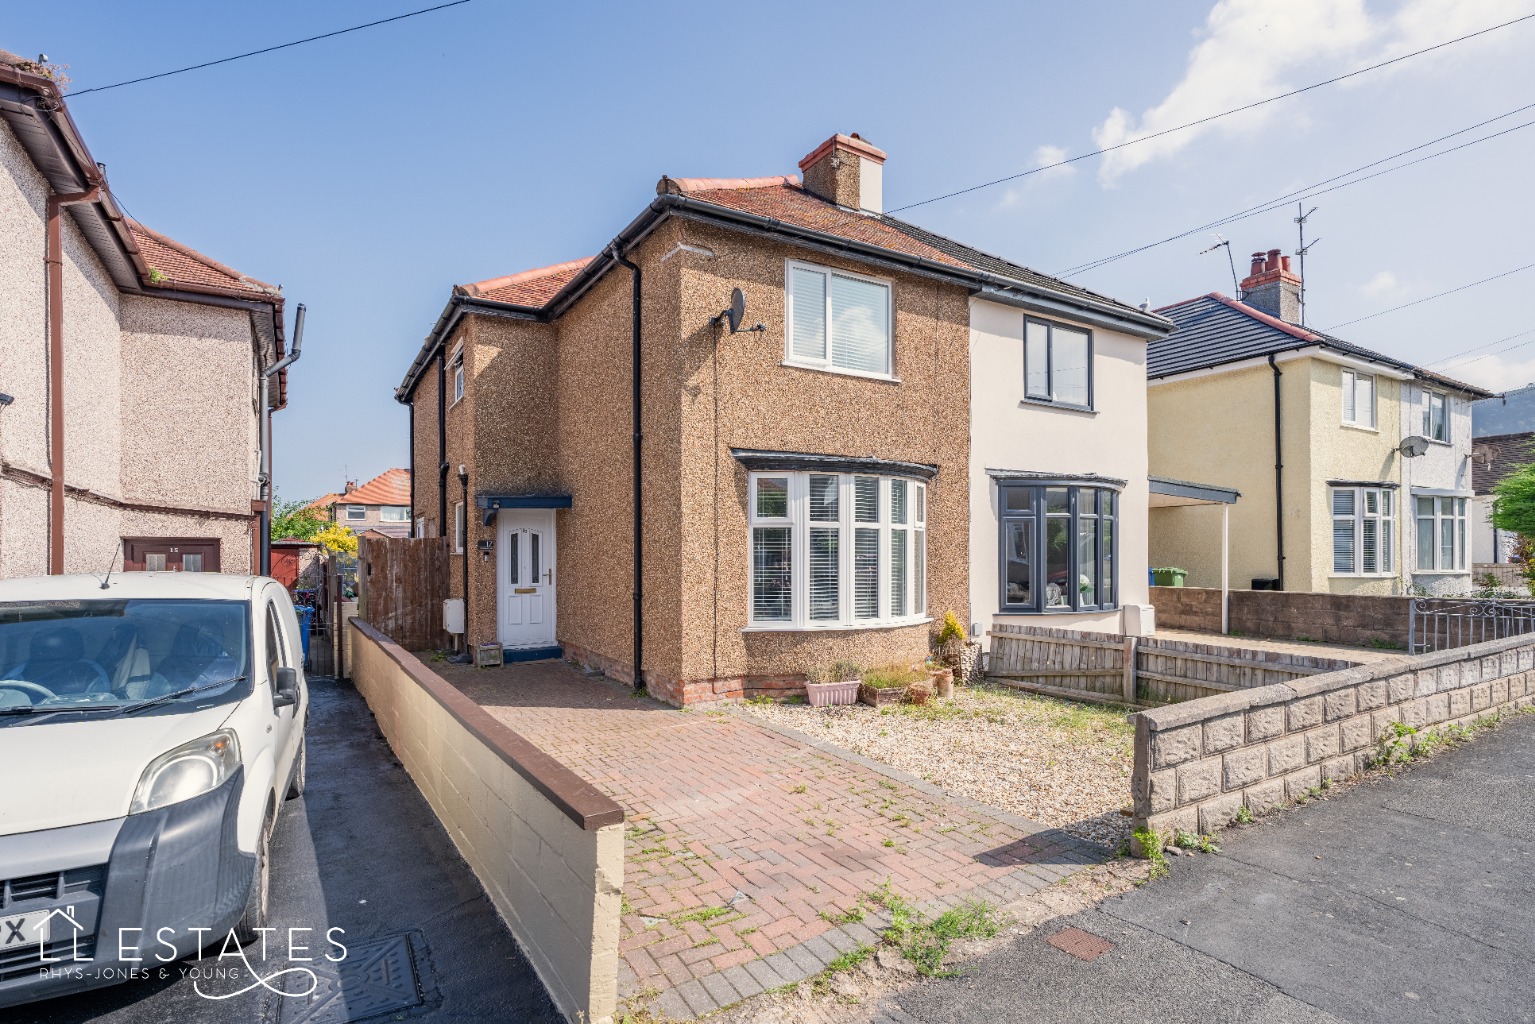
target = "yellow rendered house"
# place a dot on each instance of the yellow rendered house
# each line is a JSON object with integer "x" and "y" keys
{"x": 1353, "y": 467}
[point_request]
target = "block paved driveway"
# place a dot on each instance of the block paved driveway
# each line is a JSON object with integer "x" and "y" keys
{"x": 1407, "y": 898}
{"x": 743, "y": 840}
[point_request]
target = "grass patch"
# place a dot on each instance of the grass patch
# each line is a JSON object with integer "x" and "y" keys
{"x": 925, "y": 943}
{"x": 852, "y": 915}
{"x": 700, "y": 914}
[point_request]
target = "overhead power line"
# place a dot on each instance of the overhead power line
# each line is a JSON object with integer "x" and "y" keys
{"x": 1464, "y": 357}
{"x": 1216, "y": 117}
{"x": 269, "y": 49}
{"x": 1436, "y": 295}
{"x": 1317, "y": 189}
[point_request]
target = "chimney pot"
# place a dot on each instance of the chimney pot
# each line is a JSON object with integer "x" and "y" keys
{"x": 1257, "y": 267}
{"x": 1272, "y": 263}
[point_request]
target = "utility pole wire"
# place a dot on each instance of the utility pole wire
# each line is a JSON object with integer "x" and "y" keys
{"x": 1216, "y": 117}
{"x": 269, "y": 49}
{"x": 1436, "y": 295}
{"x": 1311, "y": 191}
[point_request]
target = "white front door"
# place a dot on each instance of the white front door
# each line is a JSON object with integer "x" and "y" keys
{"x": 525, "y": 577}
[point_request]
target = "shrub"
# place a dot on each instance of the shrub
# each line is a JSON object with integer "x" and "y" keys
{"x": 889, "y": 676}
{"x": 951, "y": 629}
{"x": 836, "y": 672}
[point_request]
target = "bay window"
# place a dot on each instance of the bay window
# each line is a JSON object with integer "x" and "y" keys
{"x": 836, "y": 550}
{"x": 835, "y": 320}
{"x": 1441, "y": 521}
{"x": 1059, "y": 547}
{"x": 1363, "y": 525}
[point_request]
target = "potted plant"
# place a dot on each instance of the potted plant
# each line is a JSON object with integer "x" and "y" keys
{"x": 830, "y": 685}
{"x": 882, "y": 687}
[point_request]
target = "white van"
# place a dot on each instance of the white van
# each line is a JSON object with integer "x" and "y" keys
{"x": 150, "y": 727}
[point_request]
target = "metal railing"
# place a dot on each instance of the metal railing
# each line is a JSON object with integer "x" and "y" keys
{"x": 1440, "y": 623}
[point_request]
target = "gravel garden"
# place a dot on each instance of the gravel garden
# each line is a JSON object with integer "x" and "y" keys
{"x": 1056, "y": 762}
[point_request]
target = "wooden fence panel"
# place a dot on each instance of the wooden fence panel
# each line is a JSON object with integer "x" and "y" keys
{"x": 1092, "y": 666}
{"x": 402, "y": 583}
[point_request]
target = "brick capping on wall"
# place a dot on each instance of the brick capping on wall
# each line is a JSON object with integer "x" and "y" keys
{"x": 1198, "y": 763}
{"x": 579, "y": 800}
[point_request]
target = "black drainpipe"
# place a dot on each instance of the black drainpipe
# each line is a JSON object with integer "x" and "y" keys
{"x": 442, "y": 444}
{"x": 1278, "y": 474}
{"x": 639, "y": 551}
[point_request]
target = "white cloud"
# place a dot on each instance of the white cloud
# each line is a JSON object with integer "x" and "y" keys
{"x": 1497, "y": 372}
{"x": 1046, "y": 157}
{"x": 1252, "y": 49}
{"x": 1381, "y": 284}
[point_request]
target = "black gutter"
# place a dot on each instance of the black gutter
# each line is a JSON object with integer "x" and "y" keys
{"x": 442, "y": 445}
{"x": 1123, "y": 318}
{"x": 639, "y": 533}
{"x": 1278, "y": 475}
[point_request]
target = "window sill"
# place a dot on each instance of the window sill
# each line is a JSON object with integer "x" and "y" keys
{"x": 1441, "y": 572}
{"x": 1041, "y": 403}
{"x": 835, "y": 627}
{"x": 1362, "y": 576}
{"x": 1359, "y": 426}
{"x": 1058, "y": 611}
{"x": 861, "y": 374}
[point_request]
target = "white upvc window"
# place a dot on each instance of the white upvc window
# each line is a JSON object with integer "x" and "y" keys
{"x": 1358, "y": 399}
{"x": 356, "y": 513}
{"x": 458, "y": 380}
{"x": 394, "y": 514}
{"x": 836, "y": 550}
{"x": 1363, "y": 525}
{"x": 836, "y": 320}
{"x": 1441, "y": 533}
{"x": 1436, "y": 416}
{"x": 458, "y": 527}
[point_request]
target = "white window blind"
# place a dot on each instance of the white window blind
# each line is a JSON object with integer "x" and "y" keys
{"x": 1363, "y": 531}
{"x": 1436, "y": 424}
{"x": 833, "y": 549}
{"x": 838, "y": 321}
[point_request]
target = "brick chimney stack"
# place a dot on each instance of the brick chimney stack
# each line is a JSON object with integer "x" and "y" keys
{"x": 1271, "y": 286}
{"x": 351, "y": 485}
{"x": 847, "y": 171}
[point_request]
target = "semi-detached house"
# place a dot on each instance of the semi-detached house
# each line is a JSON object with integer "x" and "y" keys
{"x": 131, "y": 369}
{"x": 897, "y": 426}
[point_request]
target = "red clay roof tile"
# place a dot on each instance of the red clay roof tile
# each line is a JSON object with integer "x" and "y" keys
{"x": 530, "y": 287}
{"x": 391, "y": 487}
{"x": 174, "y": 265}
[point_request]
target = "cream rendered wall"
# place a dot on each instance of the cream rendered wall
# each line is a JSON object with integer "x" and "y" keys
{"x": 1008, "y": 434}
{"x": 1445, "y": 468}
{"x": 1340, "y": 452}
{"x": 1218, "y": 429}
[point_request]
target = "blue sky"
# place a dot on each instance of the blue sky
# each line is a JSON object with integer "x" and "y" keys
{"x": 369, "y": 173}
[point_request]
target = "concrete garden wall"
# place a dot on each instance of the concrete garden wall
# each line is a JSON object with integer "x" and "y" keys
{"x": 1198, "y": 763}
{"x": 1362, "y": 620}
{"x": 547, "y": 846}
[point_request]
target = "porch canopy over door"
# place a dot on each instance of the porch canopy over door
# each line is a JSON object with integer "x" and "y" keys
{"x": 1167, "y": 493}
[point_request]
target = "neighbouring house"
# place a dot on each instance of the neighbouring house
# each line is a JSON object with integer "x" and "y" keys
{"x": 132, "y": 369}
{"x": 380, "y": 506}
{"x": 1354, "y": 467}
{"x": 1494, "y": 457}
{"x": 636, "y": 471}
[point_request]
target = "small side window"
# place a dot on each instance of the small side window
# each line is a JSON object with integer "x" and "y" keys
{"x": 276, "y": 649}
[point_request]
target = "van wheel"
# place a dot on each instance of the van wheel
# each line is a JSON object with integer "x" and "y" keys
{"x": 296, "y": 787}
{"x": 254, "y": 919}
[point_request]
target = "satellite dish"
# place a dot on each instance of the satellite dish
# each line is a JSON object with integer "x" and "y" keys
{"x": 737, "y": 309}
{"x": 1413, "y": 446}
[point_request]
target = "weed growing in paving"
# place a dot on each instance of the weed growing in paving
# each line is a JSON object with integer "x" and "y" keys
{"x": 1244, "y": 815}
{"x": 925, "y": 943}
{"x": 700, "y": 914}
{"x": 1192, "y": 841}
{"x": 1151, "y": 849}
{"x": 852, "y": 915}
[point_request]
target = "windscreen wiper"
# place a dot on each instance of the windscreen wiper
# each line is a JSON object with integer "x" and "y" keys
{"x": 178, "y": 694}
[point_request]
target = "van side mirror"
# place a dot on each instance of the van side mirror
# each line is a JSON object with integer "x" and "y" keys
{"x": 285, "y": 692}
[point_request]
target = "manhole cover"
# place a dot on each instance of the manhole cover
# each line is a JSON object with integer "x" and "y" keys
{"x": 376, "y": 977}
{"x": 1080, "y": 944}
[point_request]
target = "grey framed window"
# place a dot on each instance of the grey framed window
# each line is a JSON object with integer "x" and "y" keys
{"x": 1059, "y": 548}
{"x": 1057, "y": 364}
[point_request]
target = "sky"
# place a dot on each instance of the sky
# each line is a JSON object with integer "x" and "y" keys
{"x": 369, "y": 173}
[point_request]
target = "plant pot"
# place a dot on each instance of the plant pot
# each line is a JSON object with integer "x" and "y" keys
{"x": 943, "y": 682}
{"x": 881, "y": 696}
{"x": 825, "y": 695}
{"x": 920, "y": 693}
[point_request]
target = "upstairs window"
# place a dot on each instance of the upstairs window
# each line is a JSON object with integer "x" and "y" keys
{"x": 394, "y": 514}
{"x": 837, "y": 550}
{"x": 1436, "y": 416}
{"x": 458, "y": 380}
{"x": 1358, "y": 399}
{"x": 356, "y": 513}
{"x": 1363, "y": 525}
{"x": 1057, "y": 364}
{"x": 834, "y": 320}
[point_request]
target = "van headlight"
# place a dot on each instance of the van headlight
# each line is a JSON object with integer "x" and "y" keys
{"x": 191, "y": 769}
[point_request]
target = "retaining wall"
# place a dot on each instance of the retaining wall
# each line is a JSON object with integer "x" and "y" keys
{"x": 546, "y": 845}
{"x": 1198, "y": 763}
{"x": 1362, "y": 620}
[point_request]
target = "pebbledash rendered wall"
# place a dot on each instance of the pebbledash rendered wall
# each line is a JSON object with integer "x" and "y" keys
{"x": 547, "y": 846}
{"x": 1198, "y": 763}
